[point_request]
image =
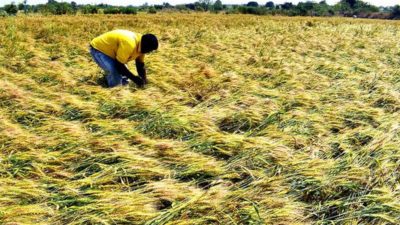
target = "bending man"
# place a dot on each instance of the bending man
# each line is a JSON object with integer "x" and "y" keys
{"x": 114, "y": 49}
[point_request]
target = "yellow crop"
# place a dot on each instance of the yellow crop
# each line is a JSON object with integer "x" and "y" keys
{"x": 245, "y": 120}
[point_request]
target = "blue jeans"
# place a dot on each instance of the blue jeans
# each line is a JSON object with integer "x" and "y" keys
{"x": 108, "y": 64}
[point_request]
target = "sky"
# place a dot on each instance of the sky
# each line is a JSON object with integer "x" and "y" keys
{"x": 174, "y": 2}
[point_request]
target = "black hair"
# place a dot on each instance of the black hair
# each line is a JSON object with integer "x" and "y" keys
{"x": 149, "y": 43}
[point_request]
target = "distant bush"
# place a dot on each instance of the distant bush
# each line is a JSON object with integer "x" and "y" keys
{"x": 181, "y": 7}
{"x": 252, "y": 4}
{"x": 232, "y": 10}
{"x": 89, "y": 9}
{"x": 55, "y": 8}
{"x": 218, "y": 6}
{"x": 152, "y": 10}
{"x": 11, "y": 9}
{"x": 120, "y": 10}
{"x": 112, "y": 10}
{"x": 395, "y": 12}
{"x": 129, "y": 10}
{"x": 347, "y": 8}
{"x": 363, "y": 7}
{"x": 253, "y": 10}
{"x": 3, "y": 13}
{"x": 287, "y": 6}
{"x": 63, "y": 8}
{"x": 270, "y": 5}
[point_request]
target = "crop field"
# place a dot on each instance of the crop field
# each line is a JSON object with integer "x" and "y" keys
{"x": 245, "y": 120}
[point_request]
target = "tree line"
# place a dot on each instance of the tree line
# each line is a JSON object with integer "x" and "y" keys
{"x": 353, "y": 8}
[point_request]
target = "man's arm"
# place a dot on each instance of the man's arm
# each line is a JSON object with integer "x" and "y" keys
{"x": 141, "y": 70}
{"x": 122, "y": 69}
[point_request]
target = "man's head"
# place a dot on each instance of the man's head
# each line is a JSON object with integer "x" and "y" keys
{"x": 149, "y": 43}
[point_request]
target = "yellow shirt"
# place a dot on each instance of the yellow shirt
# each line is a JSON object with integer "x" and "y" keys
{"x": 122, "y": 45}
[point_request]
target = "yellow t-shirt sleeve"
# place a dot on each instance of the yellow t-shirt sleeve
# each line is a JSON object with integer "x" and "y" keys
{"x": 124, "y": 51}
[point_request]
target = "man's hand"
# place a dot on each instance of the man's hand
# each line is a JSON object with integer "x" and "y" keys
{"x": 141, "y": 71}
{"x": 138, "y": 81}
{"x": 124, "y": 71}
{"x": 144, "y": 79}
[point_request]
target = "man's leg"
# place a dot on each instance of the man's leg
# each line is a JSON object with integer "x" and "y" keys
{"x": 108, "y": 64}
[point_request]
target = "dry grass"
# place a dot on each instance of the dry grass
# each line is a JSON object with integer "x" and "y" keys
{"x": 246, "y": 120}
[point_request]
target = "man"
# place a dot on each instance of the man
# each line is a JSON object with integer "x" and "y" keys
{"x": 114, "y": 49}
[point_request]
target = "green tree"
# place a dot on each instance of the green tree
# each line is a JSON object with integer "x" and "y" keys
{"x": 3, "y": 13}
{"x": 306, "y": 8}
{"x": 323, "y": 9}
{"x": 129, "y": 10}
{"x": 144, "y": 7}
{"x": 152, "y": 10}
{"x": 270, "y": 5}
{"x": 74, "y": 6}
{"x": 287, "y": 5}
{"x": 199, "y": 7}
{"x": 252, "y": 4}
{"x": 181, "y": 7}
{"x": 395, "y": 12}
{"x": 112, "y": 10}
{"x": 343, "y": 8}
{"x": 11, "y": 9}
{"x": 218, "y": 6}
{"x": 206, "y": 4}
{"x": 25, "y": 6}
{"x": 351, "y": 3}
{"x": 363, "y": 7}
{"x": 63, "y": 8}
{"x": 166, "y": 5}
{"x": 90, "y": 9}
{"x": 21, "y": 6}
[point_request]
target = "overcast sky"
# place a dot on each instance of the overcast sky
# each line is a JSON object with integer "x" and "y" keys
{"x": 174, "y": 2}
